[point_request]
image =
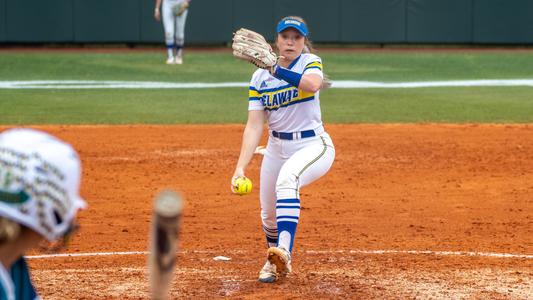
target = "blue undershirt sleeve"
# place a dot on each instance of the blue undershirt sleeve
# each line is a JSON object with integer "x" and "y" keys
{"x": 293, "y": 78}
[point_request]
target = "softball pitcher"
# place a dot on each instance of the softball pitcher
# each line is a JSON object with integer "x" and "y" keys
{"x": 298, "y": 152}
{"x": 174, "y": 17}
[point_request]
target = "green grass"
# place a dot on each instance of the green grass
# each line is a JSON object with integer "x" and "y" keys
{"x": 447, "y": 105}
{"x": 398, "y": 67}
{"x": 123, "y": 106}
{"x": 229, "y": 105}
{"x": 218, "y": 67}
{"x": 144, "y": 66}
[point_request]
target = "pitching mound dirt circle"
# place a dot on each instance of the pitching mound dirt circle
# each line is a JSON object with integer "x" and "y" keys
{"x": 431, "y": 188}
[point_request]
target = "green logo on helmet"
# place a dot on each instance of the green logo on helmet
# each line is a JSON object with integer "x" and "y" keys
{"x": 6, "y": 179}
{"x": 13, "y": 198}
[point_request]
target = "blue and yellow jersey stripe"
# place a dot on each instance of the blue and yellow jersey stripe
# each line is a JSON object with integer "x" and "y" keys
{"x": 313, "y": 65}
{"x": 279, "y": 97}
{"x": 253, "y": 94}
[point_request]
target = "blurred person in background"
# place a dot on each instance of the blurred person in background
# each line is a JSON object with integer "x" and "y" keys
{"x": 174, "y": 13}
{"x": 39, "y": 200}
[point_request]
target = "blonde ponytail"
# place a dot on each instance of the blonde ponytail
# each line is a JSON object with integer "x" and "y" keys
{"x": 9, "y": 230}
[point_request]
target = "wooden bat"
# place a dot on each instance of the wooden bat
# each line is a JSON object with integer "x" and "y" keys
{"x": 163, "y": 239}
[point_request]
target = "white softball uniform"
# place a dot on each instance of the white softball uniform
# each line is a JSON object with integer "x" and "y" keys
{"x": 298, "y": 152}
{"x": 174, "y": 25}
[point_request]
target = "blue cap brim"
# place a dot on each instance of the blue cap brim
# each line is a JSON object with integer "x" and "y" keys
{"x": 292, "y": 23}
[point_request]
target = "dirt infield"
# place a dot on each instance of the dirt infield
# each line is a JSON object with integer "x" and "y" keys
{"x": 407, "y": 211}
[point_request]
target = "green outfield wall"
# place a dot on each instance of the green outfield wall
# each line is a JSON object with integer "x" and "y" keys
{"x": 331, "y": 21}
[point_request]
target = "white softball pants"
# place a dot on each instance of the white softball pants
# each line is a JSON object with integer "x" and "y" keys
{"x": 287, "y": 166}
{"x": 174, "y": 26}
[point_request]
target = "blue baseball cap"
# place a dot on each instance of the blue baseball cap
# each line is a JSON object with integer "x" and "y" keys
{"x": 290, "y": 22}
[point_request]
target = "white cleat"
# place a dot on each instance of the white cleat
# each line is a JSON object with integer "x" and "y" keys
{"x": 281, "y": 258}
{"x": 170, "y": 61}
{"x": 179, "y": 60}
{"x": 268, "y": 273}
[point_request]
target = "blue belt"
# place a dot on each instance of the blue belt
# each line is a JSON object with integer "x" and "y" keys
{"x": 290, "y": 135}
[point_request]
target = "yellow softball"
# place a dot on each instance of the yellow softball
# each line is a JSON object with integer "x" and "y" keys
{"x": 242, "y": 186}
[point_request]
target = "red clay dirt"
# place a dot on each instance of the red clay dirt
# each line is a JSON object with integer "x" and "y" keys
{"x": 396, "y": 217}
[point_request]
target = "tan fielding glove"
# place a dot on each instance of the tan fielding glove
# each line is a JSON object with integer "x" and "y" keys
{"x": 250, "y": 46}
{"x": 180, "y": 9}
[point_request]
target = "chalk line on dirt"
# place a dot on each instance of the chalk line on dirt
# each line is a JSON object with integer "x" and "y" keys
{"x": 369, "y": 252}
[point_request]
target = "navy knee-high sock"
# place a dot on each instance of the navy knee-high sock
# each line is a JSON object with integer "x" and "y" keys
{"x": 287, "y": 215}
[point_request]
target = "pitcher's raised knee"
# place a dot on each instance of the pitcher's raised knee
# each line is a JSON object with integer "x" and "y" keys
{"x": 287, "y": 187}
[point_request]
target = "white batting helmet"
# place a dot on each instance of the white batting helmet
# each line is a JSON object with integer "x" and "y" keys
{"x": 39, "y": 182}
